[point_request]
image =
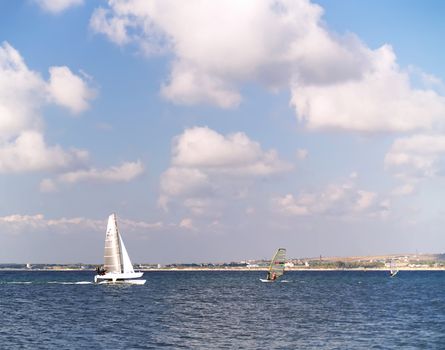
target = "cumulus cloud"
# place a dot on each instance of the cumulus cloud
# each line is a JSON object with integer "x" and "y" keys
{"x": 123, "y": 173}
{"x": 28, "y": 152}
{"x": 267, "y": 42}
{"x": 382, "y": 100}
{"x": 337, "y": 200}
{"x": 57, "y": 6}
{"x": 206, "y": 164}
{"x": 23, "y": 93}
{"x": 69, "y": 90}
{"x": 335, "y": 81}
{"x": 417, "y": 156}
{"x": 204, "y": 148}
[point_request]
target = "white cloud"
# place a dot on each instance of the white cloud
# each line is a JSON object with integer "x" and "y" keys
{"x": 115, "y": 28}
{"x": 204, "y": 148}
{"x": 58, "y": 6}
{"x": 124, "y": 173}
{"x": 206, "y": 164}
{"x": 182, "y": 88}
{"x": 69, "y": 90}
{"x": 336, "y": 81}
{"x": 337, "y": 200}
{"x": 19, "y": 223}
{"x": 138, "y": 225}
{"x": 186, "y": 223}
{"x": 28, "y": 152}
{"x": 417, "y": 156}
{"x": 382, "y": 100}
{"x": 25, "y": 223}
{"x": 182, "y": 181}
{"x": 267, "y": 41}
{"x": 23, "y": 93}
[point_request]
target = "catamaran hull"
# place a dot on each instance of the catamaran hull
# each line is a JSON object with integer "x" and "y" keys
{"x": 135, "y": 282}
{"x": 119, "y": 278}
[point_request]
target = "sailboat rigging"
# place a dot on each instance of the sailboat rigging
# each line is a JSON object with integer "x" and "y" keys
{"x": 276, "y": 268}
{"x": 117, "y": 266}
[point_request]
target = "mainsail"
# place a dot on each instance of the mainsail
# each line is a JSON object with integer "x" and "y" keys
{"x": 276, "y": 267}
{"x": 115, "y": 255}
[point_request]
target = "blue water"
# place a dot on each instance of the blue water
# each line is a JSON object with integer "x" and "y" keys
{"x": 223, "y": 310}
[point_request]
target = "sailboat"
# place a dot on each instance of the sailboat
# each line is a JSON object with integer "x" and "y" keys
{"x": 276, "y": 268}
{"x": 117, "y": 265}
{"x": 392, "y": 268}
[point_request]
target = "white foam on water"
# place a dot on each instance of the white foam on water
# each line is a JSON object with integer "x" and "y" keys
{"x": 80, "y": 282}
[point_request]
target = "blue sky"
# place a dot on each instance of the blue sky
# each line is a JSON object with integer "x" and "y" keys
{"x": 219, "y": 131}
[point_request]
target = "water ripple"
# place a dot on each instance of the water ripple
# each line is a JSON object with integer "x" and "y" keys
{"x": 223, "y": 310}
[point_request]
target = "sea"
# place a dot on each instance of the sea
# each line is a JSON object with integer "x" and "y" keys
{"x": 224, "y": 310}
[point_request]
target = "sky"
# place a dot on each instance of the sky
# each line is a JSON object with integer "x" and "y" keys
{"x": 221, "y": 130}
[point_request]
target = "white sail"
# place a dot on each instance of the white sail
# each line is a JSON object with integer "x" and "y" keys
{"x": 393, "y": 268}
{"x": 112, "y": 255}
{"x": 127, "y": 266}
{"x": 117, "y": 267}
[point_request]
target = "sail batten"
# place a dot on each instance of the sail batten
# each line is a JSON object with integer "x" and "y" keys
{"x": 117, "y": 264}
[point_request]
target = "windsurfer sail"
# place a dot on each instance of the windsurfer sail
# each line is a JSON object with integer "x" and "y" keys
{"x": 276, "y": 268}
{"x": 392, "y": 268}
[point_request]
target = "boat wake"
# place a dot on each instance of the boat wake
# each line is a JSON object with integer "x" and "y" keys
{"x": 80, "y": 282}
{"x": 49, "y": 282}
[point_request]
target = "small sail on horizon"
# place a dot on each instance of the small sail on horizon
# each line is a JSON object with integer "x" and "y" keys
{"x": 393, "y": 268}
{"x": 276, "y": 267}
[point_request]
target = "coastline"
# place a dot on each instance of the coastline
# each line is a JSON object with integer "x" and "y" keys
{"x": 240, "y": 269}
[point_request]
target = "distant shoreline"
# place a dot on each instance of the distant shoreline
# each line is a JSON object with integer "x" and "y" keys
{"x": 241, "y": 269}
